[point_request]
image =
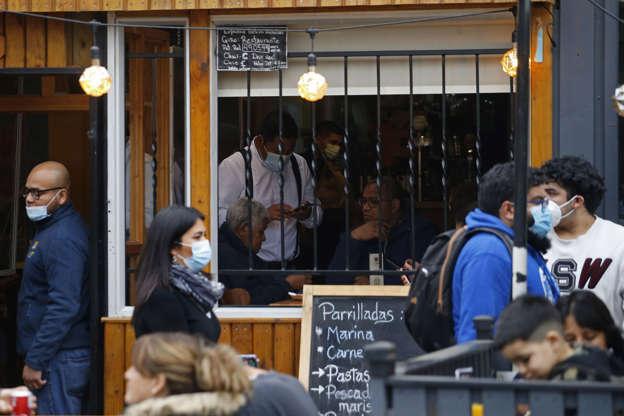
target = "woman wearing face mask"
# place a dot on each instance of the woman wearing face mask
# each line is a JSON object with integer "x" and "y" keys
{"x": 172, "y": 294}
{"x": 586, "y": 320}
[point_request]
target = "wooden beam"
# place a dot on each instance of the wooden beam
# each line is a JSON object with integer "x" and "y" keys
{"x": 541, "y": 89}
{"x": 2, "y": 37}
{"x": 163, "y": 154}
{"x": 200, "y": 114}
{"x": 26, "y": 103}
{"x": 35, "y": 42}
{"x": 15, "y": 41}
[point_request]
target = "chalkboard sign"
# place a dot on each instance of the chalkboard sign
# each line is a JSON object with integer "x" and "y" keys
{"x": 337, "y": 322}
{"x": 259, "y": 49}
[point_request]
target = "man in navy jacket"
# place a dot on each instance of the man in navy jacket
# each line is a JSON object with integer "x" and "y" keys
{"x": 52, "y": 320}
{"x": 482, "y": 274}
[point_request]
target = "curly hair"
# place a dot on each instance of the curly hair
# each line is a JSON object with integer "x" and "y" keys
{"x": 578, "y": 177}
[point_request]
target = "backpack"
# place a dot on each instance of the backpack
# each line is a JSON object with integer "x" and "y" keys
{"x": 429, "y": 311}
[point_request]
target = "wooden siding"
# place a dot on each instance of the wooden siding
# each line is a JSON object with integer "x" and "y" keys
{"x": 274, "y": 341}
{"x": 32, "y": 42}
{"x": 134, "y": 5}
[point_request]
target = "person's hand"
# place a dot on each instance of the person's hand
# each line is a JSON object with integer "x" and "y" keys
{"x": 5, "y": 400}
{"x": 275, "y": 214}
{"x": 32, "y": 378}
{"x": 408, "y": 266}
{"x": 296, "y": 281}
{"x": 370, "y": 230}
{"x": 301, "y": 213}
{"x": 361, "y": 280}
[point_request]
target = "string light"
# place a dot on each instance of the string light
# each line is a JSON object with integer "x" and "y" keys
{"x": 312, "y": 86}
{"x": 509, "y": 63}
{"x": 95, "y": 80}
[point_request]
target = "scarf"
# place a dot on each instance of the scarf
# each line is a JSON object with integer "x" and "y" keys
{"x": 201, "y": 289}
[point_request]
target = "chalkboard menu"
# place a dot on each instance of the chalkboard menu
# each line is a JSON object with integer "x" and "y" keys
{"x": 258, "y": 49}
{"x": 338, "y": 321}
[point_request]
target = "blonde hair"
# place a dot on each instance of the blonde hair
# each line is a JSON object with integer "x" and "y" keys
{"x": 190, "y": 363}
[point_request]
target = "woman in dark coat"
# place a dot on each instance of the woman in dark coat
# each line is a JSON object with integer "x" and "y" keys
{"x": 172, "y": 293}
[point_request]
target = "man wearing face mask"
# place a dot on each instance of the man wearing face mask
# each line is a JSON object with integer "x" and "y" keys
{"x": 482, "y": 274}
{"x": 52, "y": 316}
{"x": 587, "y": 251}
{"x": 265, "y": 169}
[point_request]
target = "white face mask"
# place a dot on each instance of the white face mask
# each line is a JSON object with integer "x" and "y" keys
{"x": 201, "y": 253}
{"x": 555, "y": 210}
{"x": 565, "y": 205}
{"x": 272, "y": 161}
{"x": 38, "y": 213}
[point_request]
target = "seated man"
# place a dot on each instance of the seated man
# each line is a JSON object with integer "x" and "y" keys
{"x": 234, "y": 255}
{"x": 530, "y": 335}
{"x": 395, "y": 235}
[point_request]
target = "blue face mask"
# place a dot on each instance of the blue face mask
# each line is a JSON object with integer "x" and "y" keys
{"x": 543, "y": 220}
{"x": 200, "y": 256}
{"x": 38, "y": 213}
{"x": 272, "y": 161}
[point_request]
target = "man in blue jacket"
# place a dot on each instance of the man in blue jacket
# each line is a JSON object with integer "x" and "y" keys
{"x": 52, "y": 318}
{"x": 482, "y": 274}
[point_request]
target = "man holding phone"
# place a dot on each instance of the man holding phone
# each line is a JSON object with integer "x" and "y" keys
{"x": 267, "y": 164}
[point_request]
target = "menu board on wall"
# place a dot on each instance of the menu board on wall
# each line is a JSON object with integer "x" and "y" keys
{"x": 337, "y": 322}
{"x": 257, "y": 49}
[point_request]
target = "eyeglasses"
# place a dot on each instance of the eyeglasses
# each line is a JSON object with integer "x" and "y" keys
{"x": 36, "y": 193}
{"x": 373, "y": 202}
{"x": 542, "y": 202}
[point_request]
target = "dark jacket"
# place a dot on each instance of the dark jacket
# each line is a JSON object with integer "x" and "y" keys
{"x": 587, "y": 363}
{"x": 53, "y": 300}
{"x": 396, "y": 250}
{"x": 169, "y": 310}
{"x": 233, "y": 255}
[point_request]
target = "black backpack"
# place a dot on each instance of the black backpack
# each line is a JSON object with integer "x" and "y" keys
{"x": 429, "y": 311}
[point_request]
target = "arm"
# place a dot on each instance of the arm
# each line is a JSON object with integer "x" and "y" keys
{"x": 231, "y": 183}
{"x": 163, "y": 313}
{"x": 65, "y": 266}
{"x": 356, "y": 250}
{"x": 268, "y": 289}
{"x": 484, "y": 290}
{"x": 309, "y": 195}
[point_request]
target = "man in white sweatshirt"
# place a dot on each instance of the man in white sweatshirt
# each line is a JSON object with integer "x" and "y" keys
{"x": 587, "y": 252}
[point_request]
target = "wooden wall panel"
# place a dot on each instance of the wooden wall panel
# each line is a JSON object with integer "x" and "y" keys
{"x": 114, "y": 362}
{"x": 200, "y": 114}
{"x": 56, "y": 44}
{"x": 2, "y": 37}
{"x": 42, "y": 6}
{"x": 284, "y": 348}
{"x": 15, "y": 41}
{"x": 274, "y": 341}
{"x": 35, "y": 42}
{"x": 541, "y": 91}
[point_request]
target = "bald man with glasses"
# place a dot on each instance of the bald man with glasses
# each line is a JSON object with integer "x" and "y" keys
{"x": 52, "y": 316}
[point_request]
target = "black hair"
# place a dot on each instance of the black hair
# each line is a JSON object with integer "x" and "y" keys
{"x": 578, "y": 177}
{"x": 499, "y": 185}
{"x": 270, "y": 126}
{"x": 591, "y": 312}
{"x": 325, "y": 128}
{"x": 528, "y": 317}
{"x": 166, "y": 229}
{"x": 463, "y": 199}
{"x": 390, "y": 185}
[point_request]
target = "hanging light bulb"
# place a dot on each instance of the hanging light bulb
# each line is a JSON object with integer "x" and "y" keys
{"x": 618, "y": 100}
{"x": 510, "y": 59}
{"x": 95, "y": 80}
{"x": 312, "y": 85}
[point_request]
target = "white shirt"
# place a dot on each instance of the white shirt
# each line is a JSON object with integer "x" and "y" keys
{"x": 594, "y": 261}
{"x": 266, "y": 190}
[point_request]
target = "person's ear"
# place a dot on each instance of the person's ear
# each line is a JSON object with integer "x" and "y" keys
{"x": 396, "y": 205}
{"x": 159, "y": 389}
{"x": 578, "y": 202}
{"x": 242, "y": 231}
{"x": 63, "y": 196}
{"x": 555, "y": 340}
{"x": 259, "y": 142}
{"x": 174, "y": 250}
{"x": 506, "y": 212}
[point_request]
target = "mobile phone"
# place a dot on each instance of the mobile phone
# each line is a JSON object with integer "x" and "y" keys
{"x": 300, "y": 207}
{"x": 251, "y": 360}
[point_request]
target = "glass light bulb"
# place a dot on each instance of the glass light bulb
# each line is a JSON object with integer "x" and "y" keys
{"x": 95, "y": 81}
{"x": 312, "y": 86}
{"x": 510, "y": 62}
